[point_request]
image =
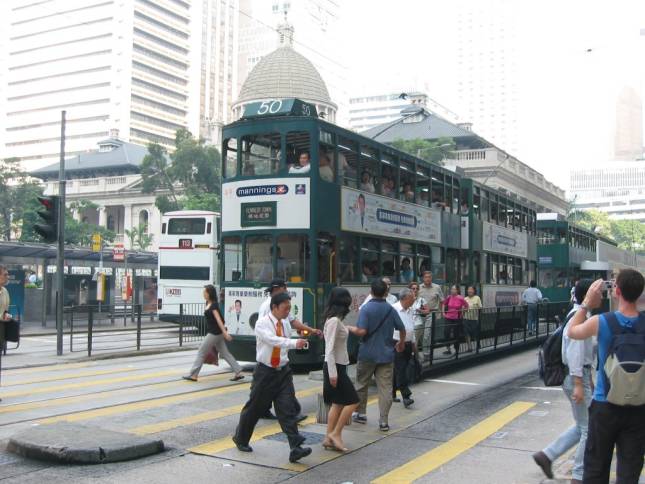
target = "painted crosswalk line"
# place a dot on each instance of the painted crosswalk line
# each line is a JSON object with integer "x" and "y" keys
{"x": 431, "y": 460}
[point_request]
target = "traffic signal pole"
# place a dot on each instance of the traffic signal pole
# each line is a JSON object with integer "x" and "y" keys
{"x": 60, "y": 254}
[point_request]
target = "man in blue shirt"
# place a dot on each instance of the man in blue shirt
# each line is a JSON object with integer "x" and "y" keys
{"x": 622, "y": 426}
{"x": 377, "y": 321}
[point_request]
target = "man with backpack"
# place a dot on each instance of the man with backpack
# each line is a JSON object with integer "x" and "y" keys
{"x": 576, "y": 359}
{"x": 617, "y": 412}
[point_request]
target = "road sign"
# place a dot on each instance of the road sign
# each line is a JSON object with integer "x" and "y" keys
{"x": 118, "y": 253}
{"x": 96, "y": 242}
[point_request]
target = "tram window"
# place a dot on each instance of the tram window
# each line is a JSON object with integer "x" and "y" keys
{"x": 230, "y": 155}
{"x": 464, "y": 208}
{"x": 349, "y": 259}
{"x": 260, "y": 154}
{"x": 298, "y": 152}
{"x": 547, "y": 278}
{"x": 326, "y": 164}
{"x": 493, "y": 271}
{"x": 455, "y": 195}
{"x": 292, "y": 261}
{"x": 406, "y": 269}
{"x": 259, "y": 264}
{"x": 493, "y": 211}
{"x": 510, "y": 271}
{"x": 423, "y": 186}
{"x": 476, "y": 268}
{"x": 484, "y": 206}
{"x": 525, "y": 272}
{"x": 389, "y": 260}
{"x": 369, "y": 266}
{"x": 326, "y": 258}
{"x": 389, "y": 176}
{"x": 423, "y": 258}
{"x": 370, "y": 172}
{"x": 347, "y": 162}
{"x": 437, "y": 196}
{"x": 232, "y": 258}
{"x": 501, "y": 214}
{"x": 448, "y": 192}
{"x": 406, "y": 174}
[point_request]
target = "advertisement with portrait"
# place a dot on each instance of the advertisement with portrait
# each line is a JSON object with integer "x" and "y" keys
{"x": 241, "y": 306}
{"x": 376, "y": 215}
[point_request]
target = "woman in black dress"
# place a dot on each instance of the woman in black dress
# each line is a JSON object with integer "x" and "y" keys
{"x": 338, "y": 390}
{"x": 216, "y": 338}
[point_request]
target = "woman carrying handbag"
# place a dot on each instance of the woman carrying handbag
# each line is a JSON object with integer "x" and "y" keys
{"x": 216, "y": 338}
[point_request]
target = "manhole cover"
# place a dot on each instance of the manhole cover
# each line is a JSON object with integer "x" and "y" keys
{"x": 312, "y": 437}
{"x": 7, "y": 459}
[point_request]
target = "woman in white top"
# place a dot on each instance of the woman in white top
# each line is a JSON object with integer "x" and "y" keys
{"x": 338, "y": 390}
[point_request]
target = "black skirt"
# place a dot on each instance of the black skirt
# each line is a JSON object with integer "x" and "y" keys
{"x": 344, "y": 393}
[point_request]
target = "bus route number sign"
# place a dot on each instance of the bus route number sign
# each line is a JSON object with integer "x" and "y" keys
{"x": 259, "y": 214}
{"x": 185, "y": 243}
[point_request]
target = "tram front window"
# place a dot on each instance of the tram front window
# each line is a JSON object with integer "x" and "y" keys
{"x": 260, "y": 154}
{"x": 232, "y": 258}
{"x": 292, "y": 258}
{"x": 259, "y": 251}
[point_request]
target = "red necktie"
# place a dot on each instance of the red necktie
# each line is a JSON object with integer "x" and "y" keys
{"x": 275, "y": 355}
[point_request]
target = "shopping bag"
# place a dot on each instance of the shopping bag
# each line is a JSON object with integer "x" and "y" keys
{"x": 212, "y": 357}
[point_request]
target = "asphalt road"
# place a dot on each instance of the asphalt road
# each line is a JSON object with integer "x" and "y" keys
{"x": 476, "y": 425}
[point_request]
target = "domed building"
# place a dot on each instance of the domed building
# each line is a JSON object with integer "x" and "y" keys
{"x": 285, "y": 73}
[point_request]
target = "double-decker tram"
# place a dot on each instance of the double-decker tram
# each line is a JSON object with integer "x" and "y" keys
{"x": 319, "y": 206}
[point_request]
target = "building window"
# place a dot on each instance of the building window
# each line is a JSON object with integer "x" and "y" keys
{"x": 143, "y": 220}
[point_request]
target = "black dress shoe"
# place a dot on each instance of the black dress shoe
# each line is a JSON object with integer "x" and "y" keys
{"x": 269, "y": 416}
{"x": 544, "y": 462}
{"x": 298, "y": 453}
{"x": 300, "y": 418}
{"x": 407, "y": 402}
{"x": 242, "y": 447}
{"x": 396, "y": 399}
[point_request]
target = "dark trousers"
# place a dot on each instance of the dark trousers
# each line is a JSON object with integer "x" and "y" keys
{"x": 275, "y": 386}
{"x": 401, "y": 363}
{"x": 612, "y": 425}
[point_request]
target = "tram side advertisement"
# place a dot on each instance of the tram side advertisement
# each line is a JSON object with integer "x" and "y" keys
{"x": 373, "y": 214}
{"x": 242, "y": 304}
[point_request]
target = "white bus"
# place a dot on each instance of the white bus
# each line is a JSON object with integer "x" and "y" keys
{"x": 187, "y": 261}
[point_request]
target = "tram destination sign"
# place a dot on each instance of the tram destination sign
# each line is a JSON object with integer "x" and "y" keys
{"x": 280, "y": 107}
{"x": 259, "y": 214}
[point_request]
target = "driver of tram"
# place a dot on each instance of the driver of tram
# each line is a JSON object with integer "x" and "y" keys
{"x": 303, "y": 165}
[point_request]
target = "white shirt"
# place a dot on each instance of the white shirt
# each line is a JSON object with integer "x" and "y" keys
{"x": 266, "y": 339}
{"x": 577, "y": 354}
{"x": 408, "y": 322}
{"x": 265, "y": 310}
{"x": 4, "y": 301}
{"x": 300, "y": 169}
{"x": 391, "y": 298}
{"x": 532, "y": 295}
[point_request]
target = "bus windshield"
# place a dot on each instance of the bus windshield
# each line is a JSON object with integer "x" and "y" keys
{"x": 186, "y": 226}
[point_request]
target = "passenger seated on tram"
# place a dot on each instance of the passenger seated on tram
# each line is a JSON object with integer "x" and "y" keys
{"x": 366, "y": 182}
{"x": 423, "y": 197}
{"x": 367, "y": 274}
{"x": 387, "y": 187}
{"x": 406, "y": 273}
{"x": 407, "y": 193}
{"x": 325, "y": 170}
{"x": 388, "y": 268}
{"x": 303, "y": 165}
{"x": 464, "y": 208}
{"x": 437, "y": 202}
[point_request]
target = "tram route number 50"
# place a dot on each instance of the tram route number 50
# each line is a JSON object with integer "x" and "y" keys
{"x": 270, "y": 107}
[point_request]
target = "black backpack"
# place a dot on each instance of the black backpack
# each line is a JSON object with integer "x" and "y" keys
{"x": 552, "y": 370}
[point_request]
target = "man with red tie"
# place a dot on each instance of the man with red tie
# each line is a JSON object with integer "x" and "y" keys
{"x": 273, "y": 379}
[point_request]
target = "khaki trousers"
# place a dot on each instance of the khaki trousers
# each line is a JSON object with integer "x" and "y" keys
{"x": 383, "y": 374}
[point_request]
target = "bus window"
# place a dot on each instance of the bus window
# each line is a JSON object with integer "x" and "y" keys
{"x": 293, "y": 258}
{"x": 298, "y": 152}
{"x": 186, "y": 226}
{"x": 260, "y": 154}
{"x": 259, "y": 264}
{"x": 349, "y": 259}
{"x": 230, "y": 155}
{"x": 347, "y": 162}
{"x": 232, "y": 250}
{"x": 406, "y": 173}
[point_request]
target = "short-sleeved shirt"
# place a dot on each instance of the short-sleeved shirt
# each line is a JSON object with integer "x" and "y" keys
{"x": 211, "y": 324}
{"x": 379, "y": 347}
{"x": 4, "y": 301}
{"x": 604, "y": 343}
{"x": 433, "y": 295}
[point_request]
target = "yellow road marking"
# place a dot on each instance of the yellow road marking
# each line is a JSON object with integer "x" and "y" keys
{"x": 88, "y": 384}
{"x": 56, "y": 402}
{"x": 220, "y": 445}
{"x": 47, "y": 368}
{"x": 82, "y": 374}
{"x": 203, "y": 417}
{"x": 425, "y": 463}
{"x": 144, "y": 405}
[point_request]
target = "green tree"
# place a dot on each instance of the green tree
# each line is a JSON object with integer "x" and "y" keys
{"x": 629, "y": 234}
{"x": 593, "y": 220}
{"x": 18, "y": 202}
{"x": 80, "y": 233}
{"x": 139, "y": 237}
{"x": 434, "y": 151}
{"x": 189, "y": 177}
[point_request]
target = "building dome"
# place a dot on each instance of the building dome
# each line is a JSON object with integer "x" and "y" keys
{"x": 285, "y": 73}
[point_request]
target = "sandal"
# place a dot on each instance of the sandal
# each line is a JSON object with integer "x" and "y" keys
{"x": 189, "y": 378}
{"x": 237, "y": 378}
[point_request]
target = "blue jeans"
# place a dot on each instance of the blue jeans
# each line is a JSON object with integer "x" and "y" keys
{"x": 532, "y": 316}
{"x": 577, "y": 433}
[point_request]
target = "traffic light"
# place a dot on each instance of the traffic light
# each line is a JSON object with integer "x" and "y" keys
{"x": 48, "y": 230}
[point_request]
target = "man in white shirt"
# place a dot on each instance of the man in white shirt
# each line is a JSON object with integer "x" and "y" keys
{"x": 303, "y": 165}
{"x": 531, "y": 297}
{"x": 278, "y": 286}
{"x": 390, "y": 298}
{"x": 273, "y": 380}
{"x": 402, "y": 359}
{"x": 579, "y": 356}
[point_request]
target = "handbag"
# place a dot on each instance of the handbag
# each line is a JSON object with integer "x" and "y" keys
{"x": 12, "y": 330}
{"x": 212, "y": 357}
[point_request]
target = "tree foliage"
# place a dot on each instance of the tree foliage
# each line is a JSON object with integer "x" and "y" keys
{"x": 80, "y": 233}
{"x": 628, "y": 234}
{"x": 434, "y": 151}
{"x": 139, "y": 237}
{"x": 189, "y": 178}
{"x": 18, "y": 202}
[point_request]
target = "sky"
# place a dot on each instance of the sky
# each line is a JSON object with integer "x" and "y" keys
{"x": 573, "y": 56}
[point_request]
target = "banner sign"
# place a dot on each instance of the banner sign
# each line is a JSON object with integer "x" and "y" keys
{"x": 501, "y": 295}
{"x": 504, "y": 241}
{"x": 376, "y": 215}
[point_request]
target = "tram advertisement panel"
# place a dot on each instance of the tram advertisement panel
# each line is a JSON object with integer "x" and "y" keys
{"x": 504, "y": 241}
{"x": 372, "y": 214}
{"x": 242, "y": 304}
{"x": 281, "y": 203}
{"x": 501, "y": 295}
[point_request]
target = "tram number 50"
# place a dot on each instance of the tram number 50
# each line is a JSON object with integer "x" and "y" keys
{"x": 270, "y": 107}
